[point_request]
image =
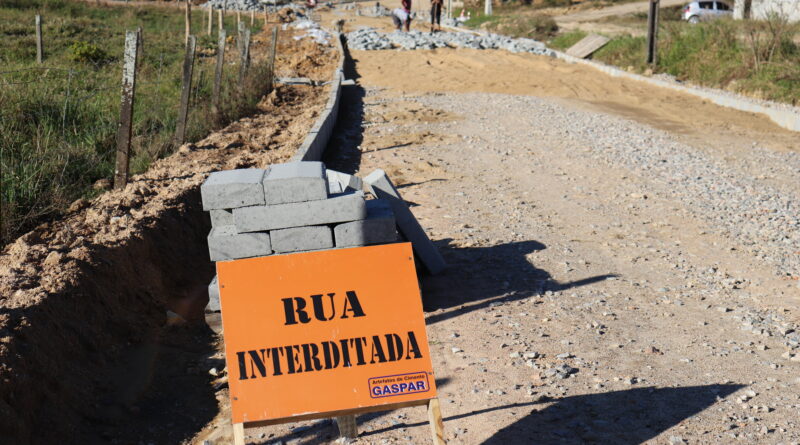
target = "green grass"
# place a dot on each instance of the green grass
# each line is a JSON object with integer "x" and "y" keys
{"x": 567, "y": 39}
{"x": 717, "y": 54}
{"x": 58, "y": 121}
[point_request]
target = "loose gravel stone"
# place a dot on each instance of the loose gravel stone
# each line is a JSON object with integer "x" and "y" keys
{"x": 371, "y": 39}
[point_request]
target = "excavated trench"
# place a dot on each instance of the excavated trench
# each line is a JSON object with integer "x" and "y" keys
{"x": 90, "y": 348}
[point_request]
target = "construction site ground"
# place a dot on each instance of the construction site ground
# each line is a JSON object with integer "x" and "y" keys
{"x": 598, "y": 280}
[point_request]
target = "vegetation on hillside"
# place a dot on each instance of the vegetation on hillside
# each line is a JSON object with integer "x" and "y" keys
{"x": 756, "y": 58}
{"x": 58, "y": 120}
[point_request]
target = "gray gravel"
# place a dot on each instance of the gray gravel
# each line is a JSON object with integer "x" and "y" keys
{"x": 730, "y": 195}
{"x": 247, "y": 5}
{"x": 371, "y": 39}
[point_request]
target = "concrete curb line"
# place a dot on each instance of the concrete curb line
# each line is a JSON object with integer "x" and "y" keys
{"x": 784, "y": 118}
{"x": 314, "y": 144}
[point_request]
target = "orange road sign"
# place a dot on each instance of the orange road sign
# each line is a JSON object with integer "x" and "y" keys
{"x": 324, "y": 331}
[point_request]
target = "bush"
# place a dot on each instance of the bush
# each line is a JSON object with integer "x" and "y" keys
{"x": 86, "y": 52}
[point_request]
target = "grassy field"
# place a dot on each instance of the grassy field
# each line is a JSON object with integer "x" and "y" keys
{"x": 58, "y": 120}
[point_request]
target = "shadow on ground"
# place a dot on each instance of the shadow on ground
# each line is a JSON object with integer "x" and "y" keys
{"x": 343, "y": 152}
{"x": 478, "y": 277}
{"x": 620, "y": 417}
{"x": 326, "y": 429}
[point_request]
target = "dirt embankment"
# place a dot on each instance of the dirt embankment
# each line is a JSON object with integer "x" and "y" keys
{"x": 77, "y": 295}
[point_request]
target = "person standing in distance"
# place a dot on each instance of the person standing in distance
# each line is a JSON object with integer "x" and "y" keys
{"x": 436, "y": 15}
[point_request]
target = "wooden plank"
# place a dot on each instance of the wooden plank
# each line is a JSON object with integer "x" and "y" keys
{"x": 218, "y": 71}
{"x": 587, "y": 46}
{"x": 238, "y": 434}
{"x": 186, "y": 89}
{"x": 340, "y": 413}
{"x": 348, "y": 428}
{"x": 39, "y": 48}
{"x": 435, "y": 421}
{"x": 126, "y": 110}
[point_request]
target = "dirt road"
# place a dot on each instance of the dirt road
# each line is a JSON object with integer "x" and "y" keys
{"x": 623, "y": 259}
{"x": 624, "y": 265}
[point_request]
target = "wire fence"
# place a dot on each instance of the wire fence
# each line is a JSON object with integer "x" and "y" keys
{"x": 60, "y": 125}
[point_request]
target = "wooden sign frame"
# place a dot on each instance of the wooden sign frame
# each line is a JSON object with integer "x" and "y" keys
{"x": 385, "y": 278}
{"x": 434, "y": 419}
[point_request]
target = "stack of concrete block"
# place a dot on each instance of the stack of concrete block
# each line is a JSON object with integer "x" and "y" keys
{"x": 289, "y": 208}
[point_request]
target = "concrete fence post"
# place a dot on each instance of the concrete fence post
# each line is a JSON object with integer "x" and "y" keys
{"x": 39, "y": 48}
{"x": 126, "y": 110}
{"x": 186, "y": 89}
{"x": 487, "y": 7}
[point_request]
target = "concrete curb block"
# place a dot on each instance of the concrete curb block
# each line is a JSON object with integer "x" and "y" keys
{"x": 784, "y": 118}
{"x": 314, "y": 144}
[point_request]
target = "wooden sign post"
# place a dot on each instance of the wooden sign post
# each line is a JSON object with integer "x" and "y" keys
{"x": 325, "y": 334}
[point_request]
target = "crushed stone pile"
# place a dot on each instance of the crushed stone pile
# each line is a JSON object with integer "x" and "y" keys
{"x": 312, "y": 30}
{"x": 371, "y": 39}
{"x": 248, "y": 5}
{"x": 242, "y": 5}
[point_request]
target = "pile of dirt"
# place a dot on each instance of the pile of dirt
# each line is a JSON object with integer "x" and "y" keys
{"x": 76, "y": 294}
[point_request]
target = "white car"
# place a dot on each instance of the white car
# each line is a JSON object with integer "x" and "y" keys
{"x": 694, "y": 12}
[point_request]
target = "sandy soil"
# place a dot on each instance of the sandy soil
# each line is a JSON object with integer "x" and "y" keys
{"x": 466, "y": 71}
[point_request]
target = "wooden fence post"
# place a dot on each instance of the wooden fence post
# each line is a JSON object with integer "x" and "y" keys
{"x": 186, "y": 89}
{"x": 39, "y": 49}
{"x": 272, "y": 51}
{"x": 139, "y": 47}
{"x": 218, "y": 70}
{"x": 210, "y": 18}
{"x": 652, "y": 33}
{"x": 252, "y": 17}
{"x": 265, "y": 16}
{"x": 245, "y": 55}
{"x": 188, "y": 22}
{"x": 126, "y": 110}
{"x": 487, "y": 8}
{"x": 222, "y": 14}
{"x": 238, "y": 18}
